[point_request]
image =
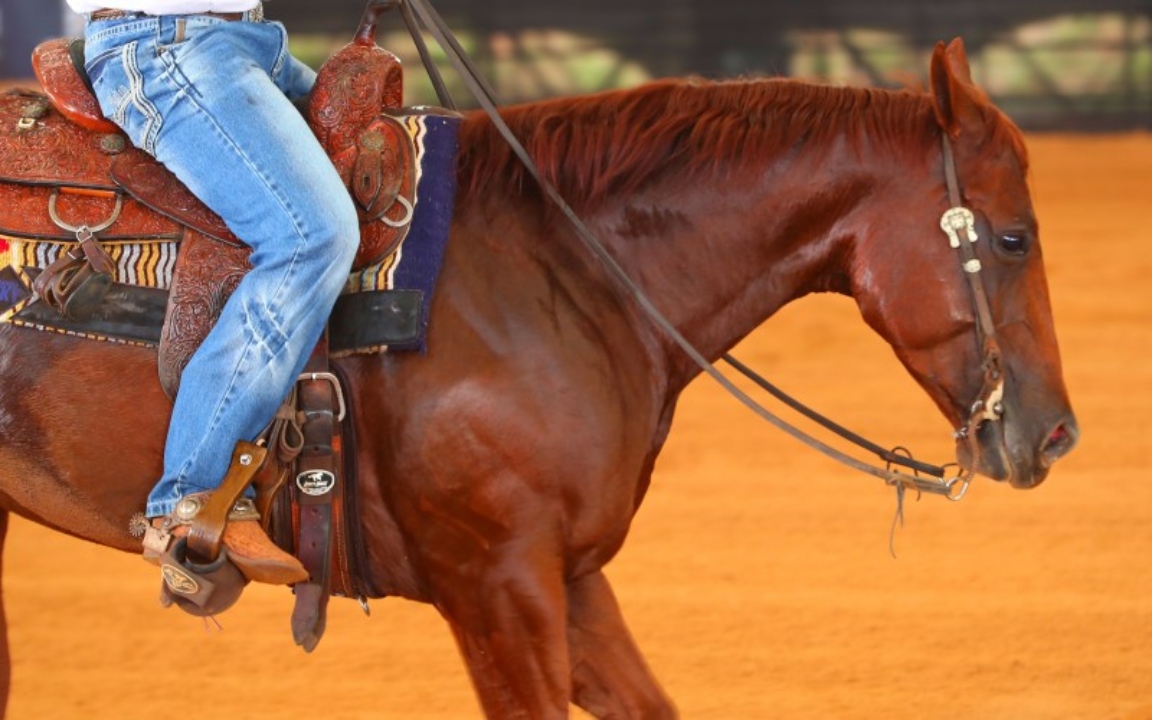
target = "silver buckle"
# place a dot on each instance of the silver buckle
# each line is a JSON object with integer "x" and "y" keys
{"x": 335, "y": 383}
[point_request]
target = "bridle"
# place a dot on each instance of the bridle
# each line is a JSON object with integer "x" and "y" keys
{"x": 957, "y": 222}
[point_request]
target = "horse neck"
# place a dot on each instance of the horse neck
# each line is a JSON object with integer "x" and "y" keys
{"x": 719, "y": 256}
{"x": 722, "y": 202}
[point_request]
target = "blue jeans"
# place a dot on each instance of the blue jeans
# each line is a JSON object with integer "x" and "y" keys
{"x": 212, "y": 100}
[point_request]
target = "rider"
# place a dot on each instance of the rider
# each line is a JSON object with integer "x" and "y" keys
{"x": 206, "y": 87}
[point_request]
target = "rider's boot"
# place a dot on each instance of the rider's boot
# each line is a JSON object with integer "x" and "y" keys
{"x": 221, "y": 522}
{"x": 248, "y": 546}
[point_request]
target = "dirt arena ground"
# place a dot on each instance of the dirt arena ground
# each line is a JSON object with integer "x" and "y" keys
{"x": 757, "y": 577}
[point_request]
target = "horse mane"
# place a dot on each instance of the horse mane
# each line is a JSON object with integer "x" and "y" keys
{"x": 596, "y": 147}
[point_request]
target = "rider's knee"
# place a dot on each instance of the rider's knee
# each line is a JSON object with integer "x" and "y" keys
{"x": 336, "y": 237}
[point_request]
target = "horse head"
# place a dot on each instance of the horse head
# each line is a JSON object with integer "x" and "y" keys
{"x": 1000, "y": 386}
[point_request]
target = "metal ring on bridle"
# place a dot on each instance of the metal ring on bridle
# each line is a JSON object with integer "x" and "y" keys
{"x": 953, "y": 488}
{"x": 963, "y": 482}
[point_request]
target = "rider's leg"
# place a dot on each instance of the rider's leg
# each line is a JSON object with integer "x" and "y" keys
{"x": 209, "y": 98}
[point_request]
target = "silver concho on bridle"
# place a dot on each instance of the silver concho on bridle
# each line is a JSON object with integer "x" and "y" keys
{"x": 956, "y": 220}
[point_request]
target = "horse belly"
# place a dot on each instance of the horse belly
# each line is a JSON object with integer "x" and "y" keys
{"x": 82, "y": 427}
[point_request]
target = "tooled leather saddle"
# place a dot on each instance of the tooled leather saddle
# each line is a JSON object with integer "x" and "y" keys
{"x": 103, "y": 177}
{"x": 371, "y": 150}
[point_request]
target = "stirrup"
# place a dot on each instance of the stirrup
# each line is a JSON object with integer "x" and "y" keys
{"x": 197, "y": 588}
{"x": 197, "y": 573}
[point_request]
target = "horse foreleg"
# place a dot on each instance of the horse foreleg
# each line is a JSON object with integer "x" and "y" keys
{"x": 609, "y": 676}
{"x": 511, "y": 632}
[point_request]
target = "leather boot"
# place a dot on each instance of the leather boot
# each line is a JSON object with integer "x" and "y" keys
{"x": 249, "y": 547}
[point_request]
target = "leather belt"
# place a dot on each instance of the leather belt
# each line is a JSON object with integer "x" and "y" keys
{"x": 254, "y": 14}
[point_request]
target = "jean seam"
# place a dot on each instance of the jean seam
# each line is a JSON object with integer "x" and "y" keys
{"x": 152, "y": 119}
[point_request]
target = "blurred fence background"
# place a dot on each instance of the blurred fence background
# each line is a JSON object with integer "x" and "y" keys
{"x": 1051, "y": 64}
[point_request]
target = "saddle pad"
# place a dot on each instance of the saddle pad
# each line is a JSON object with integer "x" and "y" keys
{"x": 11, "y": 289}
{"x": 415, "y": 264}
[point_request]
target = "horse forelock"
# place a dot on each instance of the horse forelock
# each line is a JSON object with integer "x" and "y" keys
{"x": 608, "y": 145}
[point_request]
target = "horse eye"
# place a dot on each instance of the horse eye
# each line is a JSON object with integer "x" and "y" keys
{"x": 1013, "y": 243}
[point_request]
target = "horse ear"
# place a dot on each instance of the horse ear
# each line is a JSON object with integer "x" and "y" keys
{"x": 958, "y": 61}
{"x": 954, "y": 95}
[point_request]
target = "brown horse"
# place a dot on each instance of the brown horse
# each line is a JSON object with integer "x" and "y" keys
{"x": 501, "y": 470}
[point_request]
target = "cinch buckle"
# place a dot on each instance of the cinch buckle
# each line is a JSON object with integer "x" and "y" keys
{"x": 335, "y": 383}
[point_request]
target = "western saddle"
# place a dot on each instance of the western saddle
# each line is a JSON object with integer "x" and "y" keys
{"x": 357, "y": 124}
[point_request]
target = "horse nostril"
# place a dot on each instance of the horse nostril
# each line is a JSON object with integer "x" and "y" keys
{"x": 1060, "y": 442}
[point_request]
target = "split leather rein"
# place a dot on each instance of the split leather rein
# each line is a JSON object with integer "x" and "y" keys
{"x": 899, "y": 469}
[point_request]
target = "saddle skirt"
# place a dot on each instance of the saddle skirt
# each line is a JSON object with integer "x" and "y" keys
{"x": 63, "y": 167}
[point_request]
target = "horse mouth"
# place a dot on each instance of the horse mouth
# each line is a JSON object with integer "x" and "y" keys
{"x": 991, "y": 452}
{"x": 1060, "y": 442}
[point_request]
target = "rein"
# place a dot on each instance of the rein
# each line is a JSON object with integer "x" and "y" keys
{"x": 958, "y": 223}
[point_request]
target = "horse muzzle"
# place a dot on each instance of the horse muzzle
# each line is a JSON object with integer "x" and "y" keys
{"x": 1010, "y": 448}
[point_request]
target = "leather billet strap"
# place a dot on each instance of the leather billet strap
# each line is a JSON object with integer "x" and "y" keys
{"x": 317, "y": 491}
{"x": 76, "y": 282}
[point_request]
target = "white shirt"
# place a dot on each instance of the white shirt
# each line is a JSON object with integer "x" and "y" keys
{"x": 164, "y": 7}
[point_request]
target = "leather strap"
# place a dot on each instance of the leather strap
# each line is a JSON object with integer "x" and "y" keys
{"x": 114, "y": 14}
{"x": 988, "y": 403}
{"x": 73, "y": 270}
{"x": 985, "y": 323}
{"x": 285, "y": 442}
{"x": 316, "y": 489}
